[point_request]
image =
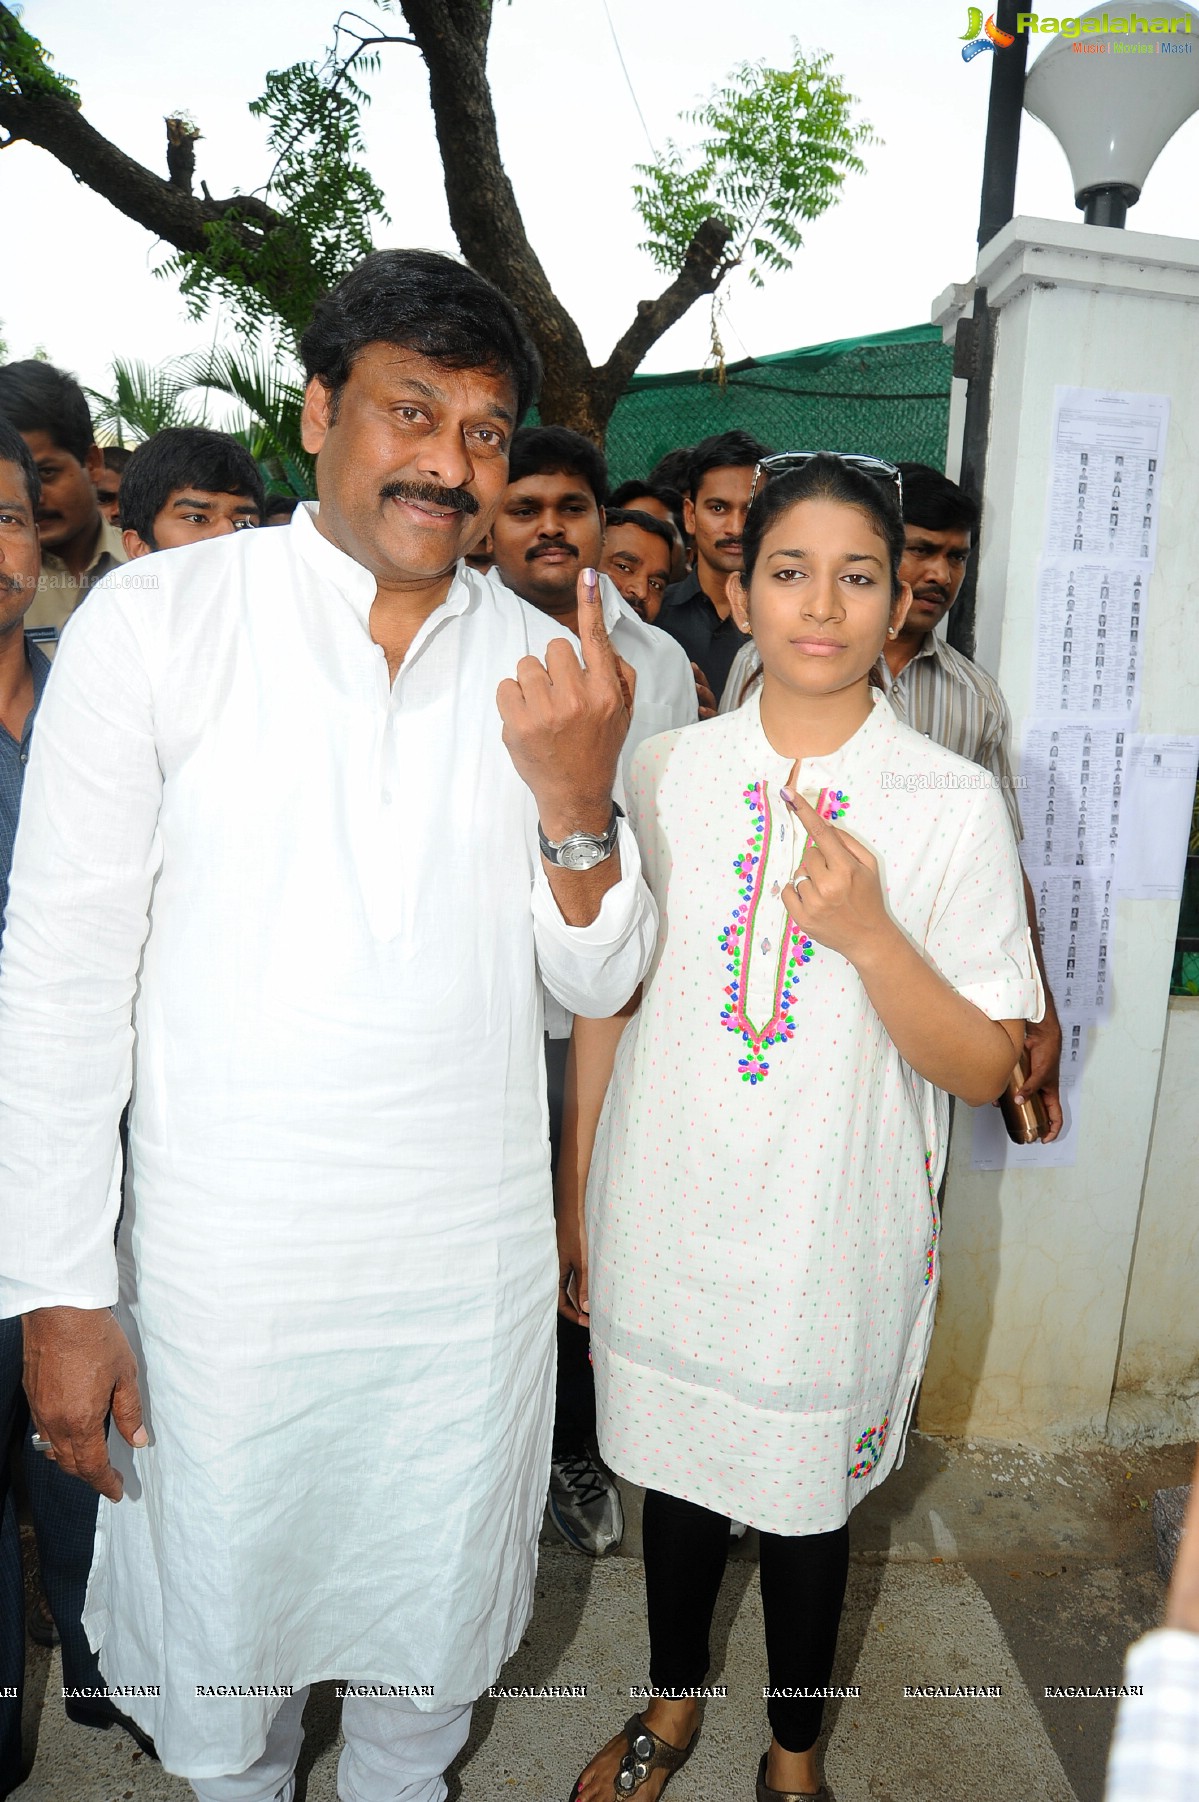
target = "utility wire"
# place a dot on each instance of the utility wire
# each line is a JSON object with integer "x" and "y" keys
{"x": 628, "y": 80}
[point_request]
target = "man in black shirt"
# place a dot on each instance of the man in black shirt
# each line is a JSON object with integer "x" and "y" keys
{"x": 696, "y": 611}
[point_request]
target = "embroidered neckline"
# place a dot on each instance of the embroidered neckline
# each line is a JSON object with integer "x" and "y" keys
{"x": 737, "y": 938}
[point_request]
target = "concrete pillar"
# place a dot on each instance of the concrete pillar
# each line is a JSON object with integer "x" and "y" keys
{"x": 1037, "y": 1265}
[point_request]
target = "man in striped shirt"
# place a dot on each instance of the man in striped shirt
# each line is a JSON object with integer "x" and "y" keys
{"x": 937, "y": 691}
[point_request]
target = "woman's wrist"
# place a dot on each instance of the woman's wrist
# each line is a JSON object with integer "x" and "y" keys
{"x": 877, "y": 950}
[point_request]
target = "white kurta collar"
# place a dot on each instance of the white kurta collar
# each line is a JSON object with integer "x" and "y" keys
{"x": 352, "y": 580}
{"x": 356, "y": 584}
{"x": 864, "y": 744}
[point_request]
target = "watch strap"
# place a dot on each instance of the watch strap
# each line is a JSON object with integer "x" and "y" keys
{"x": 604, "y": 842}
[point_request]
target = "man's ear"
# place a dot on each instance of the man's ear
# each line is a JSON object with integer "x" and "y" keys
{"x": 135, "y": 544}
{"x": 689, "y": 515}
{"x": 93, "y": 462}
{"x": 738, "y": 600}
{"x": 317, "y": 415}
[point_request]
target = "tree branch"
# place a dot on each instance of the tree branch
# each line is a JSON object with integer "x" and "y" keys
{"x": 181, "y": 153}
{"x": 164, "y": 209}
{"x": 167, "y": 208}
{"x": 343, "y": 69}
{"x": 705, "y": 267}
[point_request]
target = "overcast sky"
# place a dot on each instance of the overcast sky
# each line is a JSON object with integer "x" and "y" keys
{"x": 78, "y": 276}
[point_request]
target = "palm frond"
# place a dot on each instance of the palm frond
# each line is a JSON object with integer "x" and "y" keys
{"x": 145, "y": 399}
{"x": 273, "y": 397}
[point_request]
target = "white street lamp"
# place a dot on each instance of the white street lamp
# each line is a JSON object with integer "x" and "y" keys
{"x": 1114, "y": 98}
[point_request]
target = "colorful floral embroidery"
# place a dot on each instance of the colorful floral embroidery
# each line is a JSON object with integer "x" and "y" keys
{"x": 932, "y": 1197}
{"x": 869, "y": 1448}
{"x": 737, "y": 939}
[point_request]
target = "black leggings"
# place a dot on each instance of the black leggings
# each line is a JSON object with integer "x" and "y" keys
{"x": 803, "y": 1588}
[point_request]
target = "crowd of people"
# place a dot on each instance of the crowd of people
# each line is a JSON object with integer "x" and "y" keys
{"x": 486, "y": 837}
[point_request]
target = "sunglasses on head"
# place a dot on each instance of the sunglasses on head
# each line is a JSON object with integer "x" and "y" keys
{"x": 787, "y": 460}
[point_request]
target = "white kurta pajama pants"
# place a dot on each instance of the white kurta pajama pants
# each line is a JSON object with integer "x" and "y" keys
{"x": 337, "y": 1256}
{"x": 382, "y": 1738}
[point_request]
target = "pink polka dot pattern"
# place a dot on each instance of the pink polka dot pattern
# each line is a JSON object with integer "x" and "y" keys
{"x": 763, "y": 1254}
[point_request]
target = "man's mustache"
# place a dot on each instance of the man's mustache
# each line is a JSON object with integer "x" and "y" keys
{"x": 931, "y": 592}
{"x": 541, "y": 550}
{"x": 460, "y": 499}
{"x": 11, "y": 584}
{"x": 728, "y": 544}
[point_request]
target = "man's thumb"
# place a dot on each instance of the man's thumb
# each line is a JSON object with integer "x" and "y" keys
{"x": 127, "y": 1411}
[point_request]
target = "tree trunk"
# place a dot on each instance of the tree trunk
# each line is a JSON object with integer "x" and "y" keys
{"x": 452, "y": 37}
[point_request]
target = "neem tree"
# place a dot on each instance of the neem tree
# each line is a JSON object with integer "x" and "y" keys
{"x": 774, "y": 148}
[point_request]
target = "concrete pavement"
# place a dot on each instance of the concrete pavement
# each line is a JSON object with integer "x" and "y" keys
{"x": 974, "y": 1565}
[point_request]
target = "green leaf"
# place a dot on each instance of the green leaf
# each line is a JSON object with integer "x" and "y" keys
{"x": 774, "y": 149}
{"x": 318, "y": 182}
{"x": 145, "y": 399}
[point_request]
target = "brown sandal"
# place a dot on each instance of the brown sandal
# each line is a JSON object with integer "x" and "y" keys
{"x": 646, "y": 1754}
{"x": 766, "y": 1794}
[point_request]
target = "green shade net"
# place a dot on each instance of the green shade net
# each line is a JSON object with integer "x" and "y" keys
{"x": 886, "y": 395}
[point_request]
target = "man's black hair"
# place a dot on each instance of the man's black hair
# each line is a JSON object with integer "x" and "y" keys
{"x": 540, "y": 450}
{"x": 420, "y": 301}
{"x": 648, "y": 522}
{"x": 184, "y": 457}
{"x": 280, "y": 506}
{"x": 931, "y": 500}
{"x": 13, "y": 449}
{"x": 36, "y": 397}
{"x": 670, "y": 498}
{"x": 726, "y": 450}
{"x": 116, "y": 457}
{"x": 670, "y": 471}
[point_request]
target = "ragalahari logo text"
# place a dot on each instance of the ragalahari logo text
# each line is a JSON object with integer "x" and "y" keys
{"x": 979, "y": 37}
{"x": 1096, "y": 33}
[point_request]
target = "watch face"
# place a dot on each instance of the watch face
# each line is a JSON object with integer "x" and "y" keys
{"x": 582, "y": 856}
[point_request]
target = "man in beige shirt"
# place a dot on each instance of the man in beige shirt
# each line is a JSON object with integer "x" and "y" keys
{"x": 48, "y": 408}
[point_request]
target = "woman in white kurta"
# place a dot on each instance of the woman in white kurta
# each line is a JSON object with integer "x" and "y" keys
{"x": 762, "y": 1198}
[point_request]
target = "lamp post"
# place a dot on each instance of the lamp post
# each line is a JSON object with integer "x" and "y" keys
{"x": 1113, "y": 100}
{"x": 974, "y": 344}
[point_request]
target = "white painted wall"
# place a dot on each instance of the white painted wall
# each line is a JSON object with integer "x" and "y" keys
{"x": 1157, "y": 1381}
{"x": 1037, "y": 1265}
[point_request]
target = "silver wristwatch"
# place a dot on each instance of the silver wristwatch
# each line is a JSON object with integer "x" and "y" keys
{"x": 581, "y": 850}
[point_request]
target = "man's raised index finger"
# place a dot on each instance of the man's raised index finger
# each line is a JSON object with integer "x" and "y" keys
{"x": 593, "y": 633}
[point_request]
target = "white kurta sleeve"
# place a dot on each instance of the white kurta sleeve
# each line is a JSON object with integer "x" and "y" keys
{"x": 83, "y": 866}
{"x": 978, "y": 937}
{"x": 680, "y": 696}
{"x": 592, "y": 970}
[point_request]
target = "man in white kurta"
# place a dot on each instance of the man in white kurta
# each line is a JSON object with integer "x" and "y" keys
{"x": 303, "y": 904}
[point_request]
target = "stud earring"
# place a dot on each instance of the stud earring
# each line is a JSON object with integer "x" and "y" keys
{"x": 892, "y": 631}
